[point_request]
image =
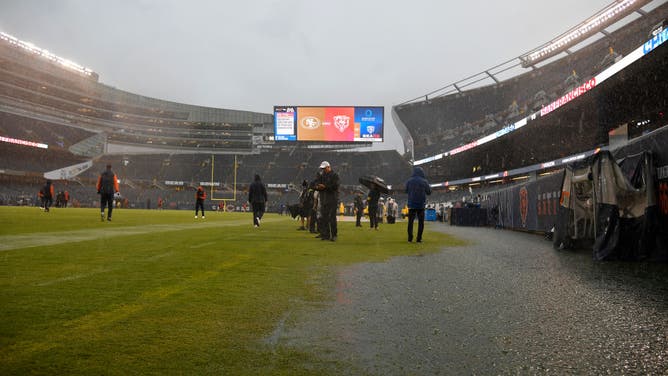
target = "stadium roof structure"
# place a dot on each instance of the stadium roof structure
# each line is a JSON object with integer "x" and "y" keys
{"x": 597, "y": 23}
{"x": 611, "y": 14}
{"x": 592, "y": 25}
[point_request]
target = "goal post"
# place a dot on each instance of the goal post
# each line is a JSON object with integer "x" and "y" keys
{"x": 215, "y": 195}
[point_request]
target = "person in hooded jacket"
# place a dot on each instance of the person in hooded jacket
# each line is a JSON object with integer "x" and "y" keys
{"x": 257, "y": 197}
{"x": 417, "y": 188}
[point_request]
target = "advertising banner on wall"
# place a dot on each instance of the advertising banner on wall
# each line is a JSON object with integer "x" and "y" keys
{"x": 531, "y": 206}
{"x": 68, "y": 172}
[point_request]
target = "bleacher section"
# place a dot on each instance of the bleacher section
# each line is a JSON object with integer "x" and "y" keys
{"x": 277, "y": 167}
{"x": 29, "y": 84}
{"x": 174, "y": 177}
{"x": 441, "y": 123}
{"x": 637, "y": 93}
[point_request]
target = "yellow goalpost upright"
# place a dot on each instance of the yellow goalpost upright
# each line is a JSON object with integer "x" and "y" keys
{"x": 212, "y": 196}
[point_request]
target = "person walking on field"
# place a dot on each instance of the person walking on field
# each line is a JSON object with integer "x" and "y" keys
{"x": 372, "y": 203}
{"x": 359, "y": 209}
{"x": 200, "y": 196}
{"x": 417, "y": 188}
{"x": 257, "y": 197}
{"x": 46, "y": 194}
{"x": 107, "y": 185}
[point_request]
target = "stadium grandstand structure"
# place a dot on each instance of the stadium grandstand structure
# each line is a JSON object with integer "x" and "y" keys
{"x": 37, "y": 86}
{"x": 459, "y": 118}
{"x": 58, "y": 121}
{"x": 602, "y": 104}
{"x": 465, "y": 133}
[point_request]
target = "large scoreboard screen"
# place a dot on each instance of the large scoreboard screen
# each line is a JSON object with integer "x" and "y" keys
{"x": 328, "y": 124}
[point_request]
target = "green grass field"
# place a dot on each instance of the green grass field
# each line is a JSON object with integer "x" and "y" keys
{"x": 158, "y": 292}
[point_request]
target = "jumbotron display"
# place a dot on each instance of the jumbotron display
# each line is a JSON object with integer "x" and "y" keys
{"x": 328, "y": 124}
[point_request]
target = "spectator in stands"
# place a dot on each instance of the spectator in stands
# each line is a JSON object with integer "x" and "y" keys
{"x": 359, "y": 209}
{"x": 540, "y": 99}
{"x": 46, "y": 194}
{"x": 200, "y": 196}
{"x": 257, "y": 197}
{"x": 609, "y": 59}
{"x": 372, "y": 199}
{"x": 328, "y": 186}
{"x": 417, "y": 188}
{"x": 513, "y": 110}
{"x": 572, "y": 82}
{"x": 66, "y": 197}
{"x": 107, "y": 185}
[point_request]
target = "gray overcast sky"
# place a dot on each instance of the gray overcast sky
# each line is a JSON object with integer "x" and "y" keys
{"x": 252, "y": 55}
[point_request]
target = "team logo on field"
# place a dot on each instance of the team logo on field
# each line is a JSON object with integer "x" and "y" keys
{"x": 310, "y": 122}
{"x": 524, "y": 205}
{"x": 341, "y": 122}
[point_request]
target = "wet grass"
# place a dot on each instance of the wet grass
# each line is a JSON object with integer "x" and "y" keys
{"x": 158, "y": 292}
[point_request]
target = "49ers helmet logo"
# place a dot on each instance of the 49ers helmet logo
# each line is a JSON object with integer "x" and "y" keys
{"x": 310, "y": 122}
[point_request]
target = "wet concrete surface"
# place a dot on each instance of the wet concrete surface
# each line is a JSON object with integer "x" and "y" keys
{"x": 506, "y": 304}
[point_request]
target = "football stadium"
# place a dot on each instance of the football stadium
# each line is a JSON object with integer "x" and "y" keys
{"x": 546, "y": 229}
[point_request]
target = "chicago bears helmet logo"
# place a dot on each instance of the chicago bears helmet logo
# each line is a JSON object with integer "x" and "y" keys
{"x": 341, "y": 122}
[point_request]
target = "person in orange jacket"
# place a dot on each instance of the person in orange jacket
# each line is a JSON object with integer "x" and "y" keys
{"x": 200, "y": 196}
{"x": 107, "y": 185}
{"x": 46, "y": 194}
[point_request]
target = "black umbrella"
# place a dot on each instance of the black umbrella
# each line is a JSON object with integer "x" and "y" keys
{"x": 373, "y": 181}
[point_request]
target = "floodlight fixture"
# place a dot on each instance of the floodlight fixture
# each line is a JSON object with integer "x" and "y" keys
{"x": 45, "y": 54}
{"x": 599, "y": 21}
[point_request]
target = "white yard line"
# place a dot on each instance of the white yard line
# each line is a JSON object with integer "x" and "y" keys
{"x": 10, "y": 242}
